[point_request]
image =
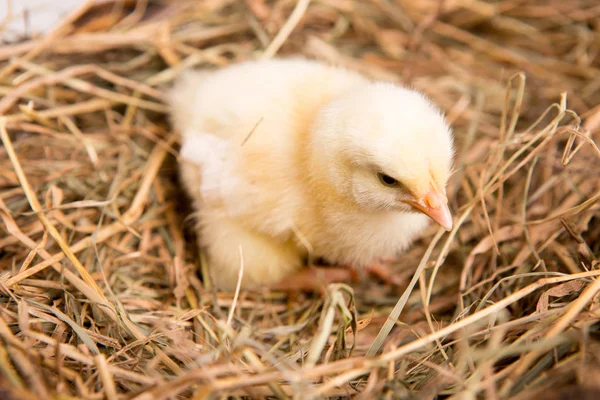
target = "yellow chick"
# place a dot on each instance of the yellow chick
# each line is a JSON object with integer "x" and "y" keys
{"x": 286, "y": 159}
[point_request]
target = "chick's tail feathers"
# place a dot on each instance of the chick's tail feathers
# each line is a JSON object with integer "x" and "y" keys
{"x": 265, "y": 261}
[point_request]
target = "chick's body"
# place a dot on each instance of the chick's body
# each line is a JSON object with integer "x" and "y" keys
{"x": 269, "y": 171}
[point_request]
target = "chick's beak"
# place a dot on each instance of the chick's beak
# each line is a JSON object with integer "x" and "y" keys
{"x": 435, "y": 205}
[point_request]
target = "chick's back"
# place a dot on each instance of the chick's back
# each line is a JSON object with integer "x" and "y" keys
{"x": 229, "y": 102}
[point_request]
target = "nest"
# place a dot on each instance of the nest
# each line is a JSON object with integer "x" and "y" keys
{"x": 101, "y": 285}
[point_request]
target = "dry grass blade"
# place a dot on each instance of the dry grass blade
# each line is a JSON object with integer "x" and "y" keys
{"x": 395, "y": 314}
{"x": 286, "y": 29}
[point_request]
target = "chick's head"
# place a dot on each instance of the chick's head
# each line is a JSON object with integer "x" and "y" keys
{"x": 386, "y": 148}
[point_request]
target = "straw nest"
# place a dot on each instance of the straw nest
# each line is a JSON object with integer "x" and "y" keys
{"x": 101, "y": 282}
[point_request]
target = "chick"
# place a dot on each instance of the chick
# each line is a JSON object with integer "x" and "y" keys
{"x": 290, "y": 159}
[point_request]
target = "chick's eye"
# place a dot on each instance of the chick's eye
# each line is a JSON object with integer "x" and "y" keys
{"x": 387, "y": 180}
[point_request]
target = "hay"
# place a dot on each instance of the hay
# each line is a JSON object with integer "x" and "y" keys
{"x": 100, "y": 281}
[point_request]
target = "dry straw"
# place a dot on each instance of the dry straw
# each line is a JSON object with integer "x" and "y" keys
{"x": 101, "y": 281}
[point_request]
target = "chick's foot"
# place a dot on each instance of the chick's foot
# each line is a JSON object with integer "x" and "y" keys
{"x": 317, "y": 278}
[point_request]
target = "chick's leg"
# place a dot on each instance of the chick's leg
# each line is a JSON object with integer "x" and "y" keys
{"x": 382, "y": 271}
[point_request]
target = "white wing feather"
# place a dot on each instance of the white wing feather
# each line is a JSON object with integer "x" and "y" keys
{"x": 217, "y": 163}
